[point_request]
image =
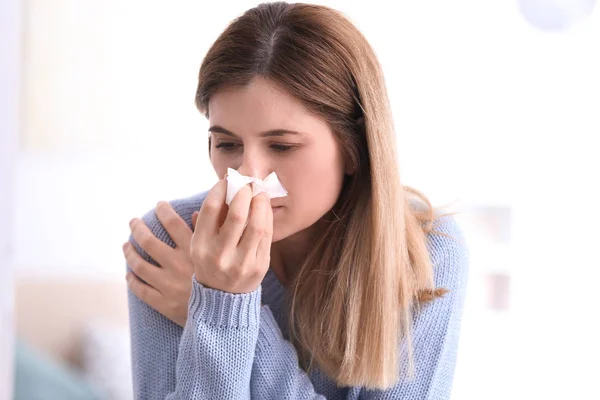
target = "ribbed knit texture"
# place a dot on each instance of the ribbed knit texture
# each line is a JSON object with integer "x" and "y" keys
{"x": 232, "y": 348}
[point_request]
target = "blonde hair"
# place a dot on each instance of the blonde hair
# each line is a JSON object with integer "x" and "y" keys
{"x": 354, "y": 295}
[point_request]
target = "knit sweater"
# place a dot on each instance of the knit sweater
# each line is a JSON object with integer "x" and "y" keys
{"x": 233, "y": 348}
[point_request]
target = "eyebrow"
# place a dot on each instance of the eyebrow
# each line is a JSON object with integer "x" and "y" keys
{"x": 273, "y": 132}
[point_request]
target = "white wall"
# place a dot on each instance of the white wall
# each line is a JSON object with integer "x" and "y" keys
{"x": 10, "y": 51}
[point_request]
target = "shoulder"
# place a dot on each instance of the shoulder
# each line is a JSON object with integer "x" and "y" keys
{"x": 449, "y": 253}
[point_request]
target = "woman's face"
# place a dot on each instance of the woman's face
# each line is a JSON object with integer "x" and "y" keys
{"x": 258, "y": 129}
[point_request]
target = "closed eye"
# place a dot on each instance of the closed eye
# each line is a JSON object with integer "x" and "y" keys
{"x": 229, "y": 147}
{"x": 280, "y": 147}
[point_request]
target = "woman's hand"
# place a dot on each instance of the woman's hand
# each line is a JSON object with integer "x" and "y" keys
{"x": 167, "y": 288}
{"x": 233, "y": 257}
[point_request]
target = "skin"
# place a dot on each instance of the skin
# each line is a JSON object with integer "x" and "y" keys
{"x": 309, "y": 165}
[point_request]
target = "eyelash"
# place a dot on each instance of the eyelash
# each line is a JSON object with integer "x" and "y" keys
{"x": 278, "y": 148}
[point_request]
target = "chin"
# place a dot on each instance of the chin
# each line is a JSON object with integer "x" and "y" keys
{"x": 277, "y": 236}
{"x": 281, "y": 234}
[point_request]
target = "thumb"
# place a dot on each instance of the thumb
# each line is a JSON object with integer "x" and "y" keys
{"x": 194, "y": 219}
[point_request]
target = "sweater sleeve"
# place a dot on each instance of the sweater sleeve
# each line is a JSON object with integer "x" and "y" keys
{"x": 217, "y": 346}
{"x": 276, "y": 373}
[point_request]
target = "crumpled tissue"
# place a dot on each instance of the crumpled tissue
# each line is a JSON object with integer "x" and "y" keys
{"x": 269, "y": 185}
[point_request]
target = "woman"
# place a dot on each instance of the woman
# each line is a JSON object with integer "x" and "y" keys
{"x": 351, "y": 287}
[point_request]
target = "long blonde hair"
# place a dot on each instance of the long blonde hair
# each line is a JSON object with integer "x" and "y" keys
{"x": 354, "y": 295}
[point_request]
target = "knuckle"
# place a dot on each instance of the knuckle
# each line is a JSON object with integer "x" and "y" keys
{"x": 219, "y": 260}
{"x": 134, "y": 264}
{"x": 144, "y": 239}
{"x": 133, "y": 287}
{"x": 211, "y": 205}
{"x": 169, "y": 221}
{"x": 199, "y": 253}
{"x": 144, "y": 292}
{"x": 257, "y": 229}
{"x": 237, "y": 217}
{"x": 255, "y": 274}
{"x": 140, "y": 290}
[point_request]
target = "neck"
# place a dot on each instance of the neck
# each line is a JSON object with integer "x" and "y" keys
{"x": 288, "y": 254}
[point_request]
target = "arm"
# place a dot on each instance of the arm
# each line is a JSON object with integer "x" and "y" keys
{"x": 217, "y": 345}
{"x": 155, "y": 338}
{"x": 211, "y": 357}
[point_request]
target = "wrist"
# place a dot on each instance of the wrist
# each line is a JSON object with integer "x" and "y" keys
{"x": 220, "y": 308}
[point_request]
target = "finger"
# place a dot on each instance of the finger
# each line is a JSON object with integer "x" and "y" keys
{"x": 156, "y": 248}
{"x": 151, "y": 274}
{"x": 237, "y": 217}
{"x": 143, "y": 291}
{"x": 221, "y": 218}
{"x": 263, "y": 252}
{"x": 207, "y": 223}
{"x": 175, "y": 226}
{"x": 194, "y": 219}
{"x": 257, "y": 225}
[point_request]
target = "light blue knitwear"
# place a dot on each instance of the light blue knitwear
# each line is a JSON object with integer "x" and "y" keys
{"x": 232, "y": 348}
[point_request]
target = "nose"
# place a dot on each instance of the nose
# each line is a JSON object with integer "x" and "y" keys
{"x": 253, "y": 165}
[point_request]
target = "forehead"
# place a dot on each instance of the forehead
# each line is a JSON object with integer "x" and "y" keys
{"x": 260, "y": 106}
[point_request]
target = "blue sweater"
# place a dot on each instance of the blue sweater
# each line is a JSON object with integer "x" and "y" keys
{"x": 232, "y": 348}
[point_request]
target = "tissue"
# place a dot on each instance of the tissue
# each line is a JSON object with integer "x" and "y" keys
{"x": 269, "y": 185}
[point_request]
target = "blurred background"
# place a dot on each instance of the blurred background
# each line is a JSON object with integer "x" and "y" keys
{"x": 497, "y": 112}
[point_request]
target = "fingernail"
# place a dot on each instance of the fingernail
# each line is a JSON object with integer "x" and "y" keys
{"x": 125, "y": 246}
{"x": 131, "y": 222}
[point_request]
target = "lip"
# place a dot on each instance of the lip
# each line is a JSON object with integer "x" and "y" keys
{"x": 275, "y": 209}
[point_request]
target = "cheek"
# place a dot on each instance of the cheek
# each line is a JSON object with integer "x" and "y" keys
{"x": 315, "y": 187}
{"x": 325, "y": 170}
{"x": 220, "y": 163}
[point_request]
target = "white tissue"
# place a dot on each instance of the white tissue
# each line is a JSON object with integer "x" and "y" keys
{"x": 269, "y": 185}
